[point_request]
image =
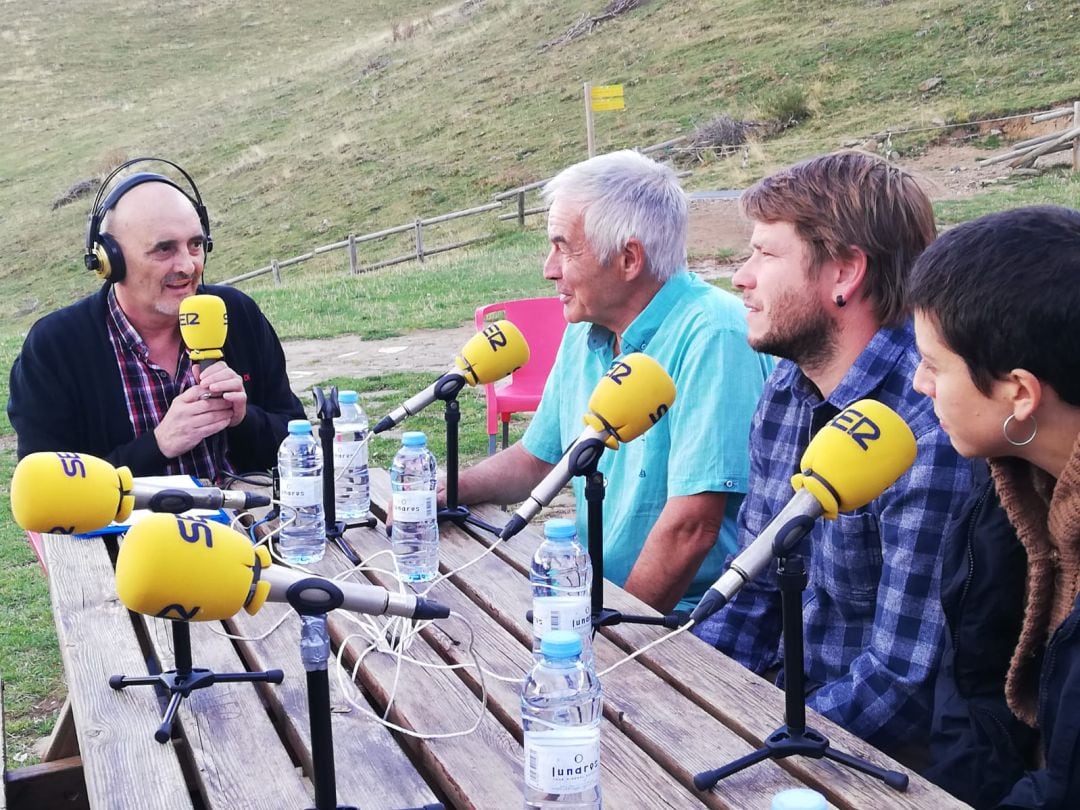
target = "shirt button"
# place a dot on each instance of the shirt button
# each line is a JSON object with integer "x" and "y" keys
{"x": 729, "y": 484}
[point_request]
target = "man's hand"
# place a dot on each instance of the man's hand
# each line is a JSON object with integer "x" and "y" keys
{"x": 220, "y": 381}
{"x": 190, "y": 419}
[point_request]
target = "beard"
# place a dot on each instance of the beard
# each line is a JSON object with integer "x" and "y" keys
{"x": 800, "y": 331}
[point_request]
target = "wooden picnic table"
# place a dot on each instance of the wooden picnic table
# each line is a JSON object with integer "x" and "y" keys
{"x": 679, "y": 708}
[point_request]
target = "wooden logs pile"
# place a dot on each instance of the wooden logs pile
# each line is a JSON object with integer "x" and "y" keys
{"x": 1025, "y": 153}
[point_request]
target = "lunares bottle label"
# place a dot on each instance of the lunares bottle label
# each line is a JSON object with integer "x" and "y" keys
{"x": 563, "y": 760}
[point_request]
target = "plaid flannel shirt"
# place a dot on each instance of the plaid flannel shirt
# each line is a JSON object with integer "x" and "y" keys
{"x": 873, "y": 622}
{"x": 149, "y": 391}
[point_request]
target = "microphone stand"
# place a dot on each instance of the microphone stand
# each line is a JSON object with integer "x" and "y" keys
{"x": 583, "y": 461}
{"x": 327, "y": 409}
{"x": 794, "y": 737}
{"x": 313, "y": 598}
{"x": 182, "y": 681}
{"x": 453, "y": 511}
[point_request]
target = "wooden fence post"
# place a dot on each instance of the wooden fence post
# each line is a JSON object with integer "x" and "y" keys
{"x": 276, "y": 271}
{"x": 589, "y": 135}
{"x": 352, "y": 253}
{"x": 419, "y": 240}
{"x": 521, "y": 209}
{"x": 1076, "y": 143}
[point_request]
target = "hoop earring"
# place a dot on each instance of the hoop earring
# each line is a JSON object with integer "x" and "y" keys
{"x": 840, "y": 301}
{"x": 1011, "y": 440}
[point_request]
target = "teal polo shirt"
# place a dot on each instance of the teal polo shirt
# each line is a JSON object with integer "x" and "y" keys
{"x": 698, "y": 334}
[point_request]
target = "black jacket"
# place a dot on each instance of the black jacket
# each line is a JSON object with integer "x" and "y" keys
{"x": 979, "y": 751}
{"x": 66, "y": 392}
{"x": 978, "y": 748}
{"x": 1056, "y": 786}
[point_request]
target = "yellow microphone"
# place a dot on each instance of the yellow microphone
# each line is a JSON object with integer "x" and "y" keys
{"x": 195, "y": 570}
{"x": 204, "y": 323}
{"x": 75, "y": 493}
{"x": 488, "y": 356}
{"x": 630, "y": 398}
{"x": 69, "y": 493}
{"x": 853, "y": 459}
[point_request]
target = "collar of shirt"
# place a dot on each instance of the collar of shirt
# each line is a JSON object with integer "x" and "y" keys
{"x": 641, "y": 330}
{"x": 873, "y": 365}
{"x": 131, "y": 341}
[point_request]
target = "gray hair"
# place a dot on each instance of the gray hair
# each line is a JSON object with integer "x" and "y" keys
{"x": 626, "y": 195}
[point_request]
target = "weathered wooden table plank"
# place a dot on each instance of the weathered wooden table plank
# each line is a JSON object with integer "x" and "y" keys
{"x": 742, "y": 701}
{"x": 502, "y": 644}
{"x": 371, "y": 770}
{"x": 220, "y": 724}
{"x": 97, "y": 640}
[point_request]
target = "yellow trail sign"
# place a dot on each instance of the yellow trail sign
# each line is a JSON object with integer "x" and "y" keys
{"x": 606, "y": 97}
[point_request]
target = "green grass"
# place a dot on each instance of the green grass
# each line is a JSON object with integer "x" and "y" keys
{"x": 304, "y": 122}
{"x": 442, "y": 292}
{"x": 29, "y": 656}
{"x": 1059, "y": 188}
{"x": 381, "y": 393}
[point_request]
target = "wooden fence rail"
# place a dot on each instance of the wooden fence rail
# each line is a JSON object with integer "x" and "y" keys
{"x": 514, "y": 196}
{"x": 1025, "y": 153}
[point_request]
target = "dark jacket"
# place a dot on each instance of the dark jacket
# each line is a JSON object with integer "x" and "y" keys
{"x": 978, "y": 748}
{"x": 1057, "y": 785}
{"x": 66, "y": 392}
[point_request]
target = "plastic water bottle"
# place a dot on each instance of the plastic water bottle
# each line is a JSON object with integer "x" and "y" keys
{"x": 561, "y": 576}
{"x": 352, "y": 493}
{"x": 799, "y": 799}
{"x": 561, "y": 708}
{"x": 415, "y": 535}
{"x": 300, "y": 468}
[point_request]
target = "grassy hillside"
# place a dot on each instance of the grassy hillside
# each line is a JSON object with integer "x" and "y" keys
{"x": 304, "y": 121}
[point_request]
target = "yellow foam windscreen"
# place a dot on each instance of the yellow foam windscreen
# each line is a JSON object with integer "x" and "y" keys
{"x": 630, "y": 398}
{"x": 69, "y": 493}
{"x": 204, "y": 323}
{"x": 491, "y": 354}
{"x": 186, "y": 569}
{"x": 856, "y": 457}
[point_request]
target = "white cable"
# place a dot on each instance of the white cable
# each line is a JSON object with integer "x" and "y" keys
{"x": 648, "y": 646}
{"x": 393, "y": 726}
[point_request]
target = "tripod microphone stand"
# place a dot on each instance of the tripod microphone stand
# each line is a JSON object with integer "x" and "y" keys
{"x": 794, "y": 737}
{"x": 312, "y": 599}
{"x": 327, "y": 409}
{"x": 583, "y": 461}
{"x": 180, "y": 682}
{"x": 453, "y": 511}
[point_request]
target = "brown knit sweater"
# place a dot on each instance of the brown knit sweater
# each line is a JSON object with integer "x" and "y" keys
{"x": 1046, "y": 515}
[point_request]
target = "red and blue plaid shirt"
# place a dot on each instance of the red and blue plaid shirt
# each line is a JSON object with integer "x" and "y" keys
{"x": 149, "y": 391}
{"x": 872, "y": 618}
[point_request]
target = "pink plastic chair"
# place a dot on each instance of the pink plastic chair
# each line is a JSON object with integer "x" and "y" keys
{"x": 541, "y": 322}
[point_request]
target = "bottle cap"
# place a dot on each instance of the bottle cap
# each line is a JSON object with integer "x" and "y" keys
{"x": 799, "y": 799}
{"x": 560, "y": 644}
{"x": 298, "y": 427}
{"x": 414, "y": 438}
{"x": 560, "y": 529}
{"x": 348, "y": 397}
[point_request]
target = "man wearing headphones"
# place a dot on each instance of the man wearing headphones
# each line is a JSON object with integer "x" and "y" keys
{"x": 110, "y": 375}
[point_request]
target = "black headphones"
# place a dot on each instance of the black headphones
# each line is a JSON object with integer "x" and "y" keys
{"x": 103, "y": 254}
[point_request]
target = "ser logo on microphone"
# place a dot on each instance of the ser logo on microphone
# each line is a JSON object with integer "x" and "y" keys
{"x": 618, "y": 372}
{"x": 189, "y": 318}
{"x": 72, "y": 465}
{"x": 861, "y": 428}
{"x": 496, "y": 337}
{"x": 195, "y": 530}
